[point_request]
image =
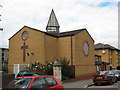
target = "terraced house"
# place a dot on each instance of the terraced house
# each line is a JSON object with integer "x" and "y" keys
{"x": 76, "y": 45}
{"x": 109, "y": 56}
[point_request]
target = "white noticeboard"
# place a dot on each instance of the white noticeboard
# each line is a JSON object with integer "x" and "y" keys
{"x": 18, "y": 67}
{"x": 114, "y": 67}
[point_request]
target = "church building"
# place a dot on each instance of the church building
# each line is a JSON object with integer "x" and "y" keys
{"x": 30, "y": 45}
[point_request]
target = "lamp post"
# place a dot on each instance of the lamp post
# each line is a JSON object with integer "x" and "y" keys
{"x": 30, "y": 55}
{"x": 1, "y": 29}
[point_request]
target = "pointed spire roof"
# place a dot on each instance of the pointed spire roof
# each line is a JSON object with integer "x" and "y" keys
{"x": 52, "y": 23}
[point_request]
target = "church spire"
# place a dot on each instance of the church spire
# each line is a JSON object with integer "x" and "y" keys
{"x": 53, "y": 25}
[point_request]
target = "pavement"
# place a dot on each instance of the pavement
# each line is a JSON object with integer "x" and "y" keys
{"x": 78, "y": 84}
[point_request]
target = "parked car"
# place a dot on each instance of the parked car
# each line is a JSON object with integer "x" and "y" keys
{"x": 26, "y": 73}
{"x": 104, "y": 77}
{"x": 116, "y": 73}
{"x": 36, "y": 82}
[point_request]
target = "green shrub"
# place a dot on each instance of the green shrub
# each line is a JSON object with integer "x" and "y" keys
{"x": 47, "y": 68}
{"x": 41, "y": 69}
{"x": 66, "y": 70}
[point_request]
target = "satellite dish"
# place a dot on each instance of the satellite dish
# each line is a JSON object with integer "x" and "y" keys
{"x": 103, "y": 51}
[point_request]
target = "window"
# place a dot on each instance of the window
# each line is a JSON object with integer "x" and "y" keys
{"x": 111, "y": 60}
{"x": 104, "y": 73}
{"x": 51, "y": 82}
{"x": 110, "y": 73}
{"x": 39, "y": 83}
{"x": 96, "y": 58}
{"x": 99, "y": 58}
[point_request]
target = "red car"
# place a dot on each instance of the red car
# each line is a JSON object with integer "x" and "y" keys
{"x": 36, "y": 82}
{"x": 104, "y": 77}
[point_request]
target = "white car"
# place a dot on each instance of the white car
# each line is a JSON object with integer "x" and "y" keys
{"x": 116, "y": 73}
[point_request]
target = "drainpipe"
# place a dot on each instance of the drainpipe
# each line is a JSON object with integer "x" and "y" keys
{"x": 71, "y": 53}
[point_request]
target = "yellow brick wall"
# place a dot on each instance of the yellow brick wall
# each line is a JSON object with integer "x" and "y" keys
{"x": 36, "y": 47}
{"x": 104, "y": 56}
{"x": 118, "y": 58}
{"x": 84, "y": 64}
{"x": 47, "y": 48}
{"x": 84, "y": 70}
{"x": 114, "y": 58}
{"x": 64, "y": 47}
{"x": 51, "y": 48}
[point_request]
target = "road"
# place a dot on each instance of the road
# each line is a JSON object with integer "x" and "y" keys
{"x": 89, "y": 83}
{"x": 114, "y": 85}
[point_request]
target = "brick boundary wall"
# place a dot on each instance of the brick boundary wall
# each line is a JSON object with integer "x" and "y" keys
{"x": 81, "y": 77}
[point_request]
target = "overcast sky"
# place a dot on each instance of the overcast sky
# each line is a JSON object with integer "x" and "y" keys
{"x": 99, "y": 17}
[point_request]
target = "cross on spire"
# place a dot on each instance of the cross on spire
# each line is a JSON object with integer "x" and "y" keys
{"x": 53, "y": 25}
{"x": 24, "y": 47}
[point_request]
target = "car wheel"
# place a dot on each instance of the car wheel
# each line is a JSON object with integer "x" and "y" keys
{"x": 110, "y": 82}
{"x": 97, "y": 84}
{"x": 116, "y": 80}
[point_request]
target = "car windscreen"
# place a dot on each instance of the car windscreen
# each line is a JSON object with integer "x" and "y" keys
{"x": 104, "y": 73}
{"x": 20, "y": 83}
{"x": 26, "y": 72}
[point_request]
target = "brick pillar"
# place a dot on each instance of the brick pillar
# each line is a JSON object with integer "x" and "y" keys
{"x": 57, "y": 70}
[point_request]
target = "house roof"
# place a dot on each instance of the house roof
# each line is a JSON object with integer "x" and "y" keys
{"x": 104, "y": 46}
{"x": 4, "y": 48}
{"x": 62, "y": 34}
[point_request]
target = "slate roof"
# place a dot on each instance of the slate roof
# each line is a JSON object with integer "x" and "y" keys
{"x": 104, "y": 46}
{"x": 70, "y": 33}
{"x": 62, "y": 34}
